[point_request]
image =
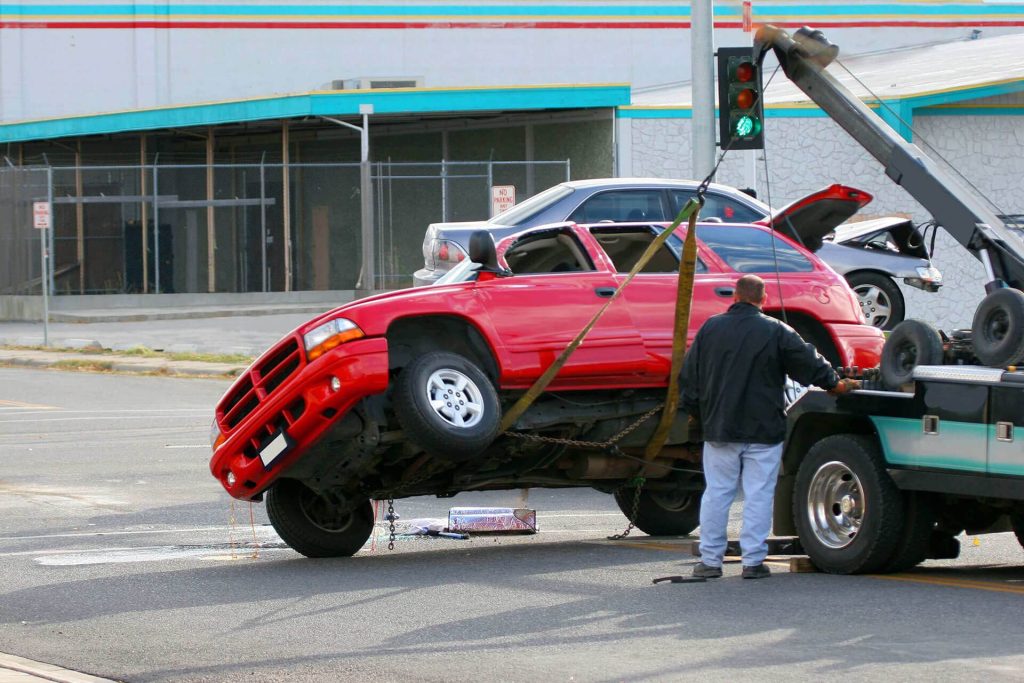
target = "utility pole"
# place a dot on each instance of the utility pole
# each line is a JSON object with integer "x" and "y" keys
{"x": 702, "y": 49}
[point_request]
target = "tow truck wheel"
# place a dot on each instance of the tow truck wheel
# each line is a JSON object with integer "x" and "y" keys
{"x": 1018, "y": 528}
{"x": 919, "y": 517}
{"x": 912, "y": 343}
{"x": 318, "y": 524}
{"x": 998, "y": 330}
{"x": 849, "y": 514}
{"x": 447, "y": 405}
{"x": 662, "y": 513}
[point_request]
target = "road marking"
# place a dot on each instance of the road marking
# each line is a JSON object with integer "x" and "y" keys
{"x": 116, "y": 533}
{"x": 579, "y": 514}
{"x": 103, "y": 419}
{"x": 951, "y": 583}
{"x": 205, "y": 446}
{"x": 16, "y": 405}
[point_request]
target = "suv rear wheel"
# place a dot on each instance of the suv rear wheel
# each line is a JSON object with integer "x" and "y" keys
{"x": 318, "y": 524}
{"x": 662, "y": 513}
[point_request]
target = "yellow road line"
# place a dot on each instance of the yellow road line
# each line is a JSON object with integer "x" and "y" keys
{"x": 20, "y": 404}
{"x": 670, "y": 547}
{"x": 952, "y": 583}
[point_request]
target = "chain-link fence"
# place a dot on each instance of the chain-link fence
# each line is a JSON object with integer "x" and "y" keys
{"x": 233, "y": 228}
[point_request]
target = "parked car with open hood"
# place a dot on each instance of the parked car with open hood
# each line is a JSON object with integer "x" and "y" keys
{"x": 872, "y": 272}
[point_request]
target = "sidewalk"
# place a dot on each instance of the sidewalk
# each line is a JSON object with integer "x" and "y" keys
{"x": 236, "y": 334}
{"x": 14, "y": 669}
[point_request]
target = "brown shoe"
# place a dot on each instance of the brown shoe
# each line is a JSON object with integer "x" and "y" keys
{"x": 703, "y": 571}
{"x": 756, "y": 571}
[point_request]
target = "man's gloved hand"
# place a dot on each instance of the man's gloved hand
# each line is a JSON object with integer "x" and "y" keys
{"x": 845, "y": 386}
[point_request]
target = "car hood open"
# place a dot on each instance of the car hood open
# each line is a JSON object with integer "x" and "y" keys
{"x": 810, "y": 218}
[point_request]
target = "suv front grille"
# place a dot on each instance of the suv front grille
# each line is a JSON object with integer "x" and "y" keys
{"x": 261, "y": 380}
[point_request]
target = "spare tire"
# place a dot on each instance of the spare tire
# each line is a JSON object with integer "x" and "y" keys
{"x": 998, "y": 329}
{"x": 912, "y": 343}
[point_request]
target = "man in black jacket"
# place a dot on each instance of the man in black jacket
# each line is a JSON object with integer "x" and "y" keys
{"x": 733, "y": 380}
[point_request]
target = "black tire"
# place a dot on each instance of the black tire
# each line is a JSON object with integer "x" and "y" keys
{"x": 317, "y": 525}
{"x": 1018, "y": 528}
{"x": 469, "y": 398}
{"x": 848, "y": 513}
{"x": 912, "y": 343}
{"x": 662, "y": 513}
{"x": 919, "y": 519}
{"x": 998, "y": 329}
{"x": 880, "y": 299}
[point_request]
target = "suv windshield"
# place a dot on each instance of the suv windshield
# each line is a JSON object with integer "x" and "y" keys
{"x": 535, "y": 204}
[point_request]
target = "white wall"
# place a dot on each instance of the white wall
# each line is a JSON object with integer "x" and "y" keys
{"x": 52, "y": 72}
{"x": 807, "y": 154}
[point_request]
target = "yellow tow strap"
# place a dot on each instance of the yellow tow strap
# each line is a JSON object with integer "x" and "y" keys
{"x": 683, "y": 293}
{"x": 680, "y": 329}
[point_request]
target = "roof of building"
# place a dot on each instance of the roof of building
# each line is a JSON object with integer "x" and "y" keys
{"x": 931, "y": 75}
{"x": 382, "y": 102}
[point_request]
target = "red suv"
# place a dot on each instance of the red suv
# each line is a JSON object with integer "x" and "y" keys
{"x": 401, "y": 394}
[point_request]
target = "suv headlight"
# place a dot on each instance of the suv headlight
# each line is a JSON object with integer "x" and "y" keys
{"x": 216, "y": 437}
{"x": 326, "y": 336}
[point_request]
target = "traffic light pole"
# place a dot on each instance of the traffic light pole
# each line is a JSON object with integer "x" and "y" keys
{"x": 702, "y": 66}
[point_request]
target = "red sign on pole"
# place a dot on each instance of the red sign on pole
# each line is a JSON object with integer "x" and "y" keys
{"x": 748, "y": 16}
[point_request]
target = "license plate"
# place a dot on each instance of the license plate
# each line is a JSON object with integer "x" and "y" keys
{"x": 274, "y": 449}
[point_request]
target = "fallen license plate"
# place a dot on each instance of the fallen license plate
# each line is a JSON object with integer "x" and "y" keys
{"x": 273, "y": 450}
{"x": 493, "y": 520}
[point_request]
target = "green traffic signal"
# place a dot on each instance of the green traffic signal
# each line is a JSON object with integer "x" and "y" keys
{"x": 744, "y": 126}
{"x": 741, "y": 111}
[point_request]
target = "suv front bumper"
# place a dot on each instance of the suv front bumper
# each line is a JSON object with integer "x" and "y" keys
{"x": 267, "y": 441}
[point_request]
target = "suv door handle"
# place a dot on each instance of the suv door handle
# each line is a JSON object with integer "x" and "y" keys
{"x": 606, "y": 292}
{"x": 725, "y": 291}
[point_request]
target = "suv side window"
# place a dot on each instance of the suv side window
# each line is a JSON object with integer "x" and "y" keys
{"x": 548, "y": 251}
{"x": 621, "y": 206}
{"x": 726, "y": 209}
{"x": 625, "y": 247}
{"x": 749, "y": 250}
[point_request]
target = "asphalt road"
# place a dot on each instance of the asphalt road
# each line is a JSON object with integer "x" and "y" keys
{"x": 120, "y": 556}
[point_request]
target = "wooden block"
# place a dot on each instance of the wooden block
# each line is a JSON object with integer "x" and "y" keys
{"x": 801, "y": 565}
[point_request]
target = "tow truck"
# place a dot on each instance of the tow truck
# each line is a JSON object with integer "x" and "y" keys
{"x": 887, "y": 476}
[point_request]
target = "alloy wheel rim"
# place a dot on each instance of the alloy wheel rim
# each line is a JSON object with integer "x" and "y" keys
{"x": 455, "y": 398}
{"x": 835, "y": 505}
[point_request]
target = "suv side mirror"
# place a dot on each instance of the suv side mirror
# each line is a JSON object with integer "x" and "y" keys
{"x": 482, "y": 251}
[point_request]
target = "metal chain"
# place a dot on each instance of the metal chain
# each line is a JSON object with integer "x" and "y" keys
{"x": 391, "y": 523}
{"x": 638, "y": 482}
{"x": 391, "y": 504}
{"x": 590, "y": 444}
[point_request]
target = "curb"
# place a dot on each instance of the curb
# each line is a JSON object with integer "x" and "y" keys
{"x": 121, "y": 365}
{"x": 46, "y": 672}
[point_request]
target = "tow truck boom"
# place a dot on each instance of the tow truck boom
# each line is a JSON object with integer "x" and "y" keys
{"x": 965, "y": 215}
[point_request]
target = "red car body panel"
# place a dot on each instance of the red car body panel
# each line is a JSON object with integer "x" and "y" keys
{"x": 527, "y": 321}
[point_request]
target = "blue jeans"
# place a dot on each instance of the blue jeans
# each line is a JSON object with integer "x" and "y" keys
{"x": 727, "y": 465}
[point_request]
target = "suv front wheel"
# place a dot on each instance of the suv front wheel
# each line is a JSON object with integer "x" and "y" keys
{"x": 318, "y": 524}
{"x": 447, "y": 405}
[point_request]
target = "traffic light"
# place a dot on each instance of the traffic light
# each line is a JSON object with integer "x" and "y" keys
{"x": 740, "y": 110}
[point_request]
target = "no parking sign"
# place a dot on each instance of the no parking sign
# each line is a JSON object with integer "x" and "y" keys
{"x": 40, "y": 215}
